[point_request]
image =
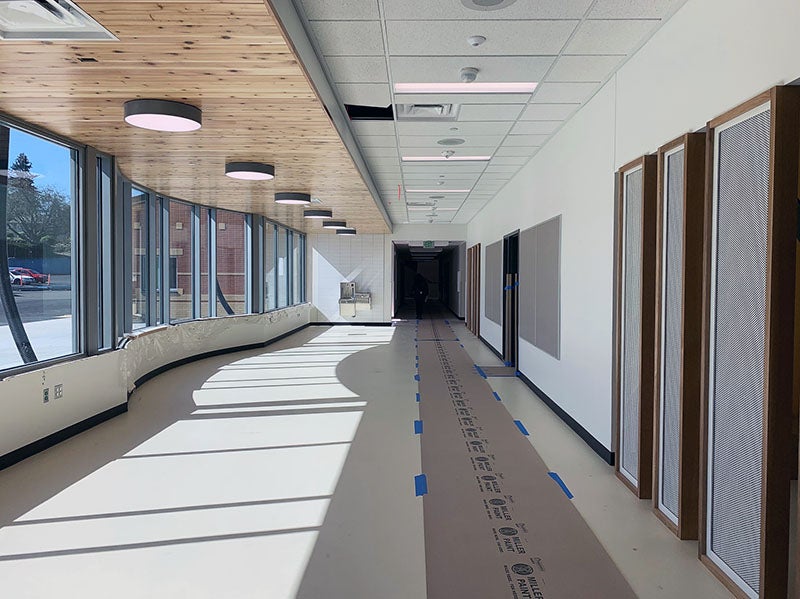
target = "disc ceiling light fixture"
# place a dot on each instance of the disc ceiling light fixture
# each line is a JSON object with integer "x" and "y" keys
{"x": 250, "y": 171}
{"x": 319, "y": 213}
{"x": 347, "y": 231}
{"x": 335, "y": 224}
{"x": 293, "y": 198}
{"x": 163, "y": 115}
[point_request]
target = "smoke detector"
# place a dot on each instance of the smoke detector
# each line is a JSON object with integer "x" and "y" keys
{"x": 475, "y": 40}
{"x": 487, "y": 4}
{"x": 469, "y": 74}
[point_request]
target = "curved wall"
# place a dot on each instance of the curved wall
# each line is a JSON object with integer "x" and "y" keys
{"x": 96, "y": 384}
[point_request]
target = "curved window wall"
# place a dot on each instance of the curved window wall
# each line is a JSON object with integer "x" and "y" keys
{"x": 144, "y": 259}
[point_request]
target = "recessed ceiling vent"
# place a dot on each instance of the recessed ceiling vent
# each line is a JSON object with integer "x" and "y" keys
{"x": 40, "y": 20}
{"x": 427, "y": 112}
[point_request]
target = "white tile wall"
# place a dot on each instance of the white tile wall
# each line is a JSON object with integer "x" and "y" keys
{"x": 334, "y": 259}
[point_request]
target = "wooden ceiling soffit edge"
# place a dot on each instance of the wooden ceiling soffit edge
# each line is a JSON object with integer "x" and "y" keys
{"x": 296, "y": 36}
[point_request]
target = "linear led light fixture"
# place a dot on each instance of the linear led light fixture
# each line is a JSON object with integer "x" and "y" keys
{"x": 438, "y": 190}
{"x": 446, "y": 158}
{"x": 521, "y": 87}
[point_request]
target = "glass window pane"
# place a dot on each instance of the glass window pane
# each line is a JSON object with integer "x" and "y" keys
{"x": 205, "y": 261}
{"x": 270, "y": 295}
{"x": 296, "y": 269}
{"x": 180, "y": 261}
{"x": 157, "y": 235}
{"x": 38, "y": 315}
{"x": 231, "y": 277}
{"x": 283, "y": 268}
{"x": 139, "y": 267}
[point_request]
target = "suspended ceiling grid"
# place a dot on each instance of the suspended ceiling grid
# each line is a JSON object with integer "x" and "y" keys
{"x": 227, "y": 57}
{"x": 570, "y": 47}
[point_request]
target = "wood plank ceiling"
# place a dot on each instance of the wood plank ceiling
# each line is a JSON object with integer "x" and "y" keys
{"x": 227, "y": 57}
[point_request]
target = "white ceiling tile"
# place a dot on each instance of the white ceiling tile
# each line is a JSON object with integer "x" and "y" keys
{"x": 525, "y": 140}
{"x": 498, "y": 169}
{"x": 609, "y": 37}
{"x": 634, "y": 9}
{"x": 425, "y": 10}
{"x": 548, "y": 112}
{"x": 462, "y": 98}
{"x": 505, "y": 150}
{"x": 462, "y": 129}
{"x": 466, "y": 149}
{"x": 518, "y": 160}
{"x": 490, "y": 112}
{"x": 367, "y": 94}
{"x": 583, "y": 68}
{"x": 475, "y": 141}
{"x": 437, "y": 169}
{"x": 358, "y": 69}
{"x": 504, "y": 38}
{"x": 563, "y": 93}
{"x": 372, "y": 127}
{"x": 349, "y": 38}
{"x": 377, "y": 141}
{"x": 370, "y": 152}
{"x": 434, "y": 69}
{"x": 535, "y": 127}
{"x": 341, "y": 9}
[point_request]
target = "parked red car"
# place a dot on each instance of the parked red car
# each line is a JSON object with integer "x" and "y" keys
{"x": 36, "y": 276}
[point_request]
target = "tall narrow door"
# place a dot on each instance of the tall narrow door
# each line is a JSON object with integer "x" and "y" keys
{"x": 510, "y": 299}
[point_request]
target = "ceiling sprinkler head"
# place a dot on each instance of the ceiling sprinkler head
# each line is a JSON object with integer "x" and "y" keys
{"x": 475, "y": 40}
{"x": 448, "y": 153}
{"x": 469, "y": 74}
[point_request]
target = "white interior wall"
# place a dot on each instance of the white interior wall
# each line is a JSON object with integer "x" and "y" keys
{"x": 95, "y": 384}
{"x": 711, "y": 56}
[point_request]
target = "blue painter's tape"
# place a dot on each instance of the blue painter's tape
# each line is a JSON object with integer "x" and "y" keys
{"x": 416, "y": 377}
{"x": 418, "y": 427}
{"x": 418, "y": 398}
{"x": 507, "y": 288}
{"x": 447, "y": 321}
{"x": 420, "y": 485}
{"x": 561, "y": 484}
{"x": 496, "y": 396}
{"x": 521, "y": 428}
{"x": 461, "y": 344}
{"x": 457, "y": 339}
{"x": 517, "y": 373}
{"x": 509, "y": 364}
{"x": 480, "y": 371}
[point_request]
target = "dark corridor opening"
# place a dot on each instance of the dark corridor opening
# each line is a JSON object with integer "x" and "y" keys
{"x": 440, "y": 266}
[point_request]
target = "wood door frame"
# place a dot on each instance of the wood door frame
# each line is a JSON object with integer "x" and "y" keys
{"x": 648, "y": 164}
{"x": 693, "y": 145}
{"x": 779, "y": 339}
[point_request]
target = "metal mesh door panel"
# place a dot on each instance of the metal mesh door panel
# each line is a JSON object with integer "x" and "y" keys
{"x": 737, "y": 385}
{"x": 672, "y": 274}
{"x": 632, "y": 321}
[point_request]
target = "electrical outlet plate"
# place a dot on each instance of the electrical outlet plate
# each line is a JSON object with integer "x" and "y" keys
{"x": 46, "y": 395}
{"x": 58, "y": 391}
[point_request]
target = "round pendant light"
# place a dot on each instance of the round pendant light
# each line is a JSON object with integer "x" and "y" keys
{"x": 163, "y": 115}
{"x": 291, "y": 197}
{"x": 334, "y": 224}
{"x": 346, "y": 232}
{"x": 250, "y": 171}
{"x": 319, "y": 213}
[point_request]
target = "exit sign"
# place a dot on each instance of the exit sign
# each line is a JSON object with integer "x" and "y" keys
{"x": 427, "y": 244}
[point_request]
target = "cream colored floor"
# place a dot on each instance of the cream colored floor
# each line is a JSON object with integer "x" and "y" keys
{"x": 278, "y": 473}
{"x": 655, "y": 562}
{"x": 282, "y": 473}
